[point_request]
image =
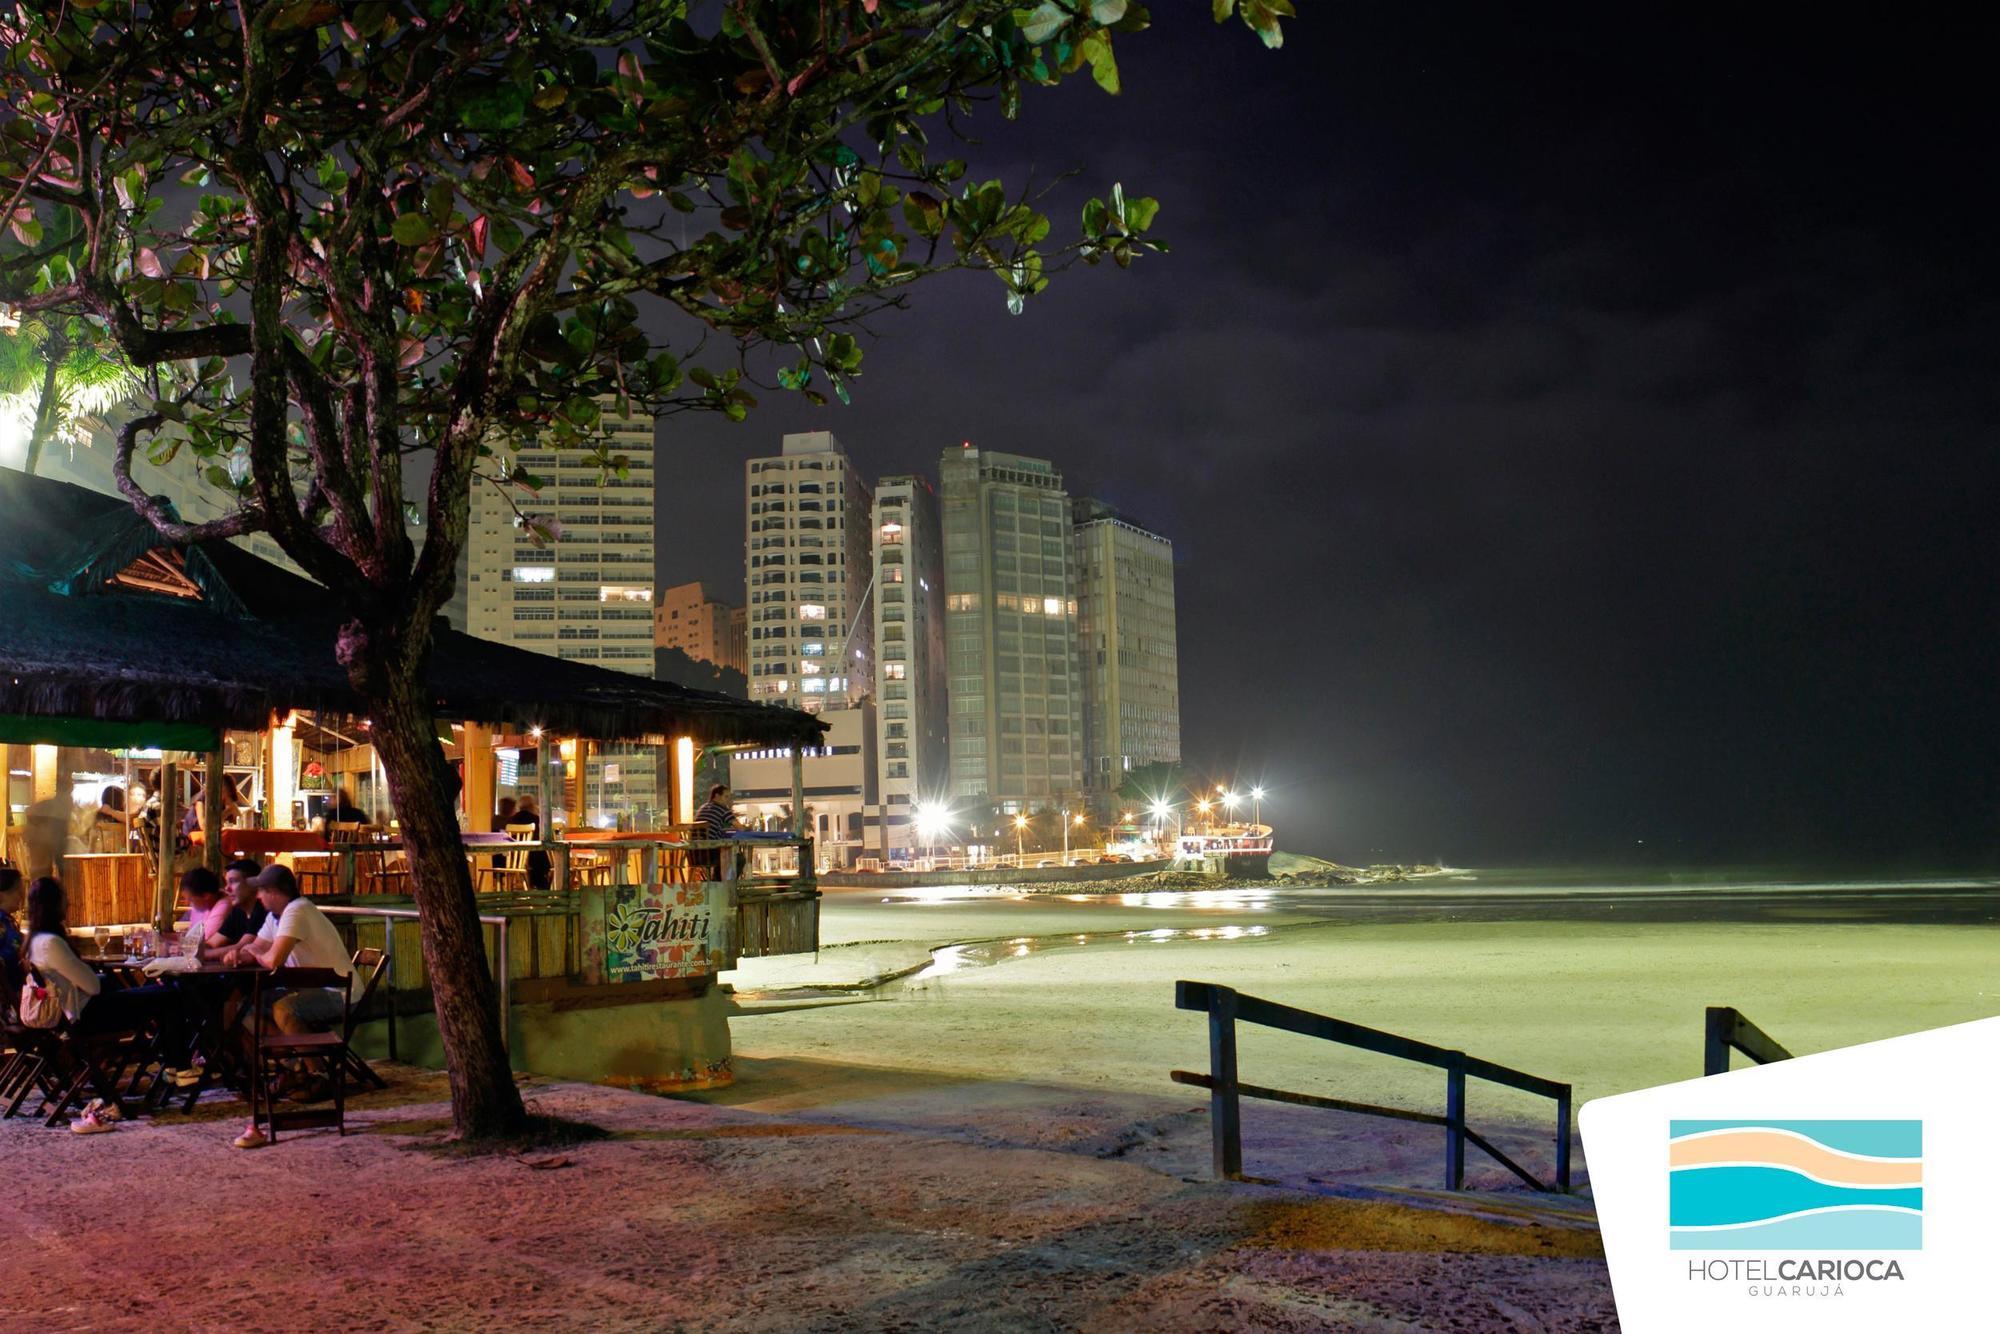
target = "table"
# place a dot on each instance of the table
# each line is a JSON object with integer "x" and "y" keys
{"x": 205, "y": 992}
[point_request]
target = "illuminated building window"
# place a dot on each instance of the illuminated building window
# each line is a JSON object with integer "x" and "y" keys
{"x": 812, "y": 611}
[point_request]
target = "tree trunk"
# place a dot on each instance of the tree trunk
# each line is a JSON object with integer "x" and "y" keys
{"x": 484, "y": 1101}
{"x": 45, "y": 406}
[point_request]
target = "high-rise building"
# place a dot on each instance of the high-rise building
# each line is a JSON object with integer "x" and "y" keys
{"x": 1010, "y": 630}
{"x": 807, "y": 570}
{"x": 585, "y": 597}
{"x": 909, "y": 652}
{"x": 705, "y": 628}
{"x": 1126, "y": 647}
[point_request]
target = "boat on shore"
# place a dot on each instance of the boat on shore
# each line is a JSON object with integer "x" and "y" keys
{"x": 1228, "y": 850}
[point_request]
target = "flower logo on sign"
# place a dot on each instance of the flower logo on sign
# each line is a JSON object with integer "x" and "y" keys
{"x": 624, "y": 927}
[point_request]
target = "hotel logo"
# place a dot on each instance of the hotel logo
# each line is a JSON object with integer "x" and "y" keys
{"x": 1790, "y": 1186}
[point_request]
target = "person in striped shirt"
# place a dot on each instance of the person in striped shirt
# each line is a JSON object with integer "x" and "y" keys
{"x": 716, "y": 819}
{"x": 716, "y": 816}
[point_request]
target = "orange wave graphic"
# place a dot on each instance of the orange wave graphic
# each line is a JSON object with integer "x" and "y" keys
{"x": 1771, "y": 1149}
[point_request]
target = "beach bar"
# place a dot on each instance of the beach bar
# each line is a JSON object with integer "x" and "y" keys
{"x": 165, "y": 706}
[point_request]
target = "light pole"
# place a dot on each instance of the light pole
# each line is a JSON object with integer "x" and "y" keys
{"x": 1257, "y": 806}
{"x": 1203, "y": 806}
{"x": 1020, "y": 823}
{"x": 1229, "y": 800}
{"x": 1065, "y": 837}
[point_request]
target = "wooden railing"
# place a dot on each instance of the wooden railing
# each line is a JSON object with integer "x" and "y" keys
{"x": 1225, "y": 1008}
{"x": 1725, "y": 1029}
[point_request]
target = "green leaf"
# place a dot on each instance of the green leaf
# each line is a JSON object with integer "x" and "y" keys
{"x": 1108, "y": 12}
{"x": 494, "y": 105}
{"x": 412, "y": 229}
{"x": 1046, "y": 21}
{"x": 305, "y": 14}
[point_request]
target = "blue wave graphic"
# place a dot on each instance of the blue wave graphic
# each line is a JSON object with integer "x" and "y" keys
{"x": 1699, "y": 1196}
{"x": 1842, "y": 1230}
{"x": 1877, "y": 1139}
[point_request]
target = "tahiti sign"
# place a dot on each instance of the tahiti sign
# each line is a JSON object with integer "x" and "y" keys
{"x": 653, "y": 932}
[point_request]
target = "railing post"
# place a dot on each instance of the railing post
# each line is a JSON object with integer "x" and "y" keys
{"x": 389, "y": 972}
{"x": 1454, "y": 1116}
{"x": 1562, "y": 1141}
{"x": 1718, "y": 1028}
{"x": 1224, "y": 1109}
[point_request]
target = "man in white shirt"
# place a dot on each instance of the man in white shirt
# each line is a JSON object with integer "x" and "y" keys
{"x": 297, "y": 934}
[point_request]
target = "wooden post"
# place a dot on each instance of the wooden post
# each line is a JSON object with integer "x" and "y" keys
{"x": 170, "y": 823}
{"x": 579, "y": 786}
{"x": 1562, "y": 1141}
{"x": 45, "y": 777}
{"x": 211, "y": 813}
{"x": 798, "y": 791}
{"x": 545, "y": 780}
{"x": 1225, "y": 1112}
{"x": 1454, "y": 1117}
{"x": 284, "y": 772}
{"x": 1718, "y": 1024}
{"x": 475, "y": 751}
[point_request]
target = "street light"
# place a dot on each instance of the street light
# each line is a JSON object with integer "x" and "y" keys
{"x": 932, "y": 819}
{"x": 1020, "y": 823}
{"x": 1257, "y": 806}
{"x": 1229, "y": 800}
{"x": 1076, "y": 820}
{"x": 1203, "y": 806}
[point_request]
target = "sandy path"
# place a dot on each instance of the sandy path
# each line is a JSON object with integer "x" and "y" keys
{"x": 708, "y": 1216}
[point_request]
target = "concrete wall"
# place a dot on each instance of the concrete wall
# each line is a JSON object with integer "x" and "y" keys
{"x": 1000, "y": 875}
{"x": 661, "y": 1046}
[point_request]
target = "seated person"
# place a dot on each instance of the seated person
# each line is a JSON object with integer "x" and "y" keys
{"x": 245, "y": 915}
{"x": 716, "y": 819}
{"x": 206, "y": 905}
{"x": 296, "y": 934}
{"x": 77, "y": 987}
{"x": 12, "y": 943}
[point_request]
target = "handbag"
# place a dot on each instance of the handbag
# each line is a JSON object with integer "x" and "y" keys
{"x": 39, "y": 1006}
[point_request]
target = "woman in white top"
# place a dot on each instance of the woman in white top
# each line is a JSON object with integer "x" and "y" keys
{"x": 78, "y": 988}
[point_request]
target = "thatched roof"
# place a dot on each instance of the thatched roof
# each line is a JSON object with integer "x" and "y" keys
{"x": 260, "y": 640}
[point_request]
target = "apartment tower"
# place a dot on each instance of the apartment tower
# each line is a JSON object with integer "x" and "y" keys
{"x": 1016, "y": 730}
{"x": 1126, "y": 647}
{"x": 909, "y": 648}
{"x": 705, "y": 628}
{"x": 586, "y": 597}
{"x": 807, "y": 573}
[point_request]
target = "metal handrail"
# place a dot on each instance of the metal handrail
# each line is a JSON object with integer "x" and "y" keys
{"x": 1225, "y": 1007}
{"x": 389, "y": 960}
{"x": 1725, "y": 1028}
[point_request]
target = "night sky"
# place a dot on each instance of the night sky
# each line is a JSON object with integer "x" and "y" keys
{"x": 1576, "y": 426}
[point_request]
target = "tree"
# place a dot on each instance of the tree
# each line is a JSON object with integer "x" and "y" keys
{"x": 1145, "y": 784}
{"x": 53, "y": 372}
{"x": 336, "y": 236}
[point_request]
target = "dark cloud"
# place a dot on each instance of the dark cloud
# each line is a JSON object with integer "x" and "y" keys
{"x": 1576, "y": 424}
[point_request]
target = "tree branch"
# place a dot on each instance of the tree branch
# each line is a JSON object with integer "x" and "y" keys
{"x": 157, "y": 510}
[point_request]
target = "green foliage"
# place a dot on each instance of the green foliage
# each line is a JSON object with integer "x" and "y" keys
{"x": 454, "y": 225}
{"x": 1145, "y": 784}
{"x": 1261, "y": 15}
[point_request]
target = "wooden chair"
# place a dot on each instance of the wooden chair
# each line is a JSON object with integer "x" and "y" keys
{"x": 511, "y": 871}
{"x": 269, "y": 1046}
{"x": 368, "y": 966}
